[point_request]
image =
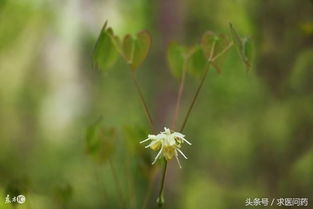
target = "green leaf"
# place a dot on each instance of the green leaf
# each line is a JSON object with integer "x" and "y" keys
{"x": 136, "y": 50}
{"x": 142, "y": 46}
{"x": 105, "y": 53}
{"x": 235, "y": 36}
{"x": 99, "y": 141}
{"x": 128, "y": 47}
{"x": 197, "y": 62}
{"x": 213, "y": 46}
{"x": 242, "y": 46}
{"x": 247, "y": 50}
{"x": 116, "y": 41}
{"x": 176, "y": 59}
{"x": 208, "y": 40}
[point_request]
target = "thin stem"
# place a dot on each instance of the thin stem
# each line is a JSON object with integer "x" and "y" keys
{"x": 179, "y": 95}
{"x": 212, "y": 50}
{"x": 211, "y": 59}
{"x": 195, "y": 98}
{"x": 160, "y": 199}
{"x": 146, "y": 109}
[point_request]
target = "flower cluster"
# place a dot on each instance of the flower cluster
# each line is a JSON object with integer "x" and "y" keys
{"x": 168, "y": 143}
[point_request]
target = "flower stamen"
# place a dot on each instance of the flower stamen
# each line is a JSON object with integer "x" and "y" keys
{"x": 177, "y": 159}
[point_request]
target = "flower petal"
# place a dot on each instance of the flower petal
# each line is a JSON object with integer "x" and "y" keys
{"x": 185, "y": 140}
{"x": 143, "y": 141}
{"x": 158, "y": 155}
{"x": 182, "y": 153}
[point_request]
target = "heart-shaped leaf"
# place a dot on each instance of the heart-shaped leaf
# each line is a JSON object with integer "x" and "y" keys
{"x": 176, "y": 59}
{"x": 208, "y": 42}
{"x": 115, "y": 40}
{"x": 215, "y": 47}
{"x": 136, "y": 50}
{"x": 142, "y": 46}
{"x": 128, "y": 47}
{"x": 213, "y": 44}
{"x": 105, "y": 53}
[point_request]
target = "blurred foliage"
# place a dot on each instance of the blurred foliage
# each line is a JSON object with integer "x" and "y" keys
{"x": 63, "y": 194}
{"x": 100, "y": 141}
{"x": 251, "y": 131}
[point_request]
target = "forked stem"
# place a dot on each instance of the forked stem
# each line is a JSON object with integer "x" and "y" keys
{"x": 211, "y": 60}
{"x": 223, "y": 51}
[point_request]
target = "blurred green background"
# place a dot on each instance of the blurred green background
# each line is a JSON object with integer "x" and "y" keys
{"x": 252, "y": 133}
